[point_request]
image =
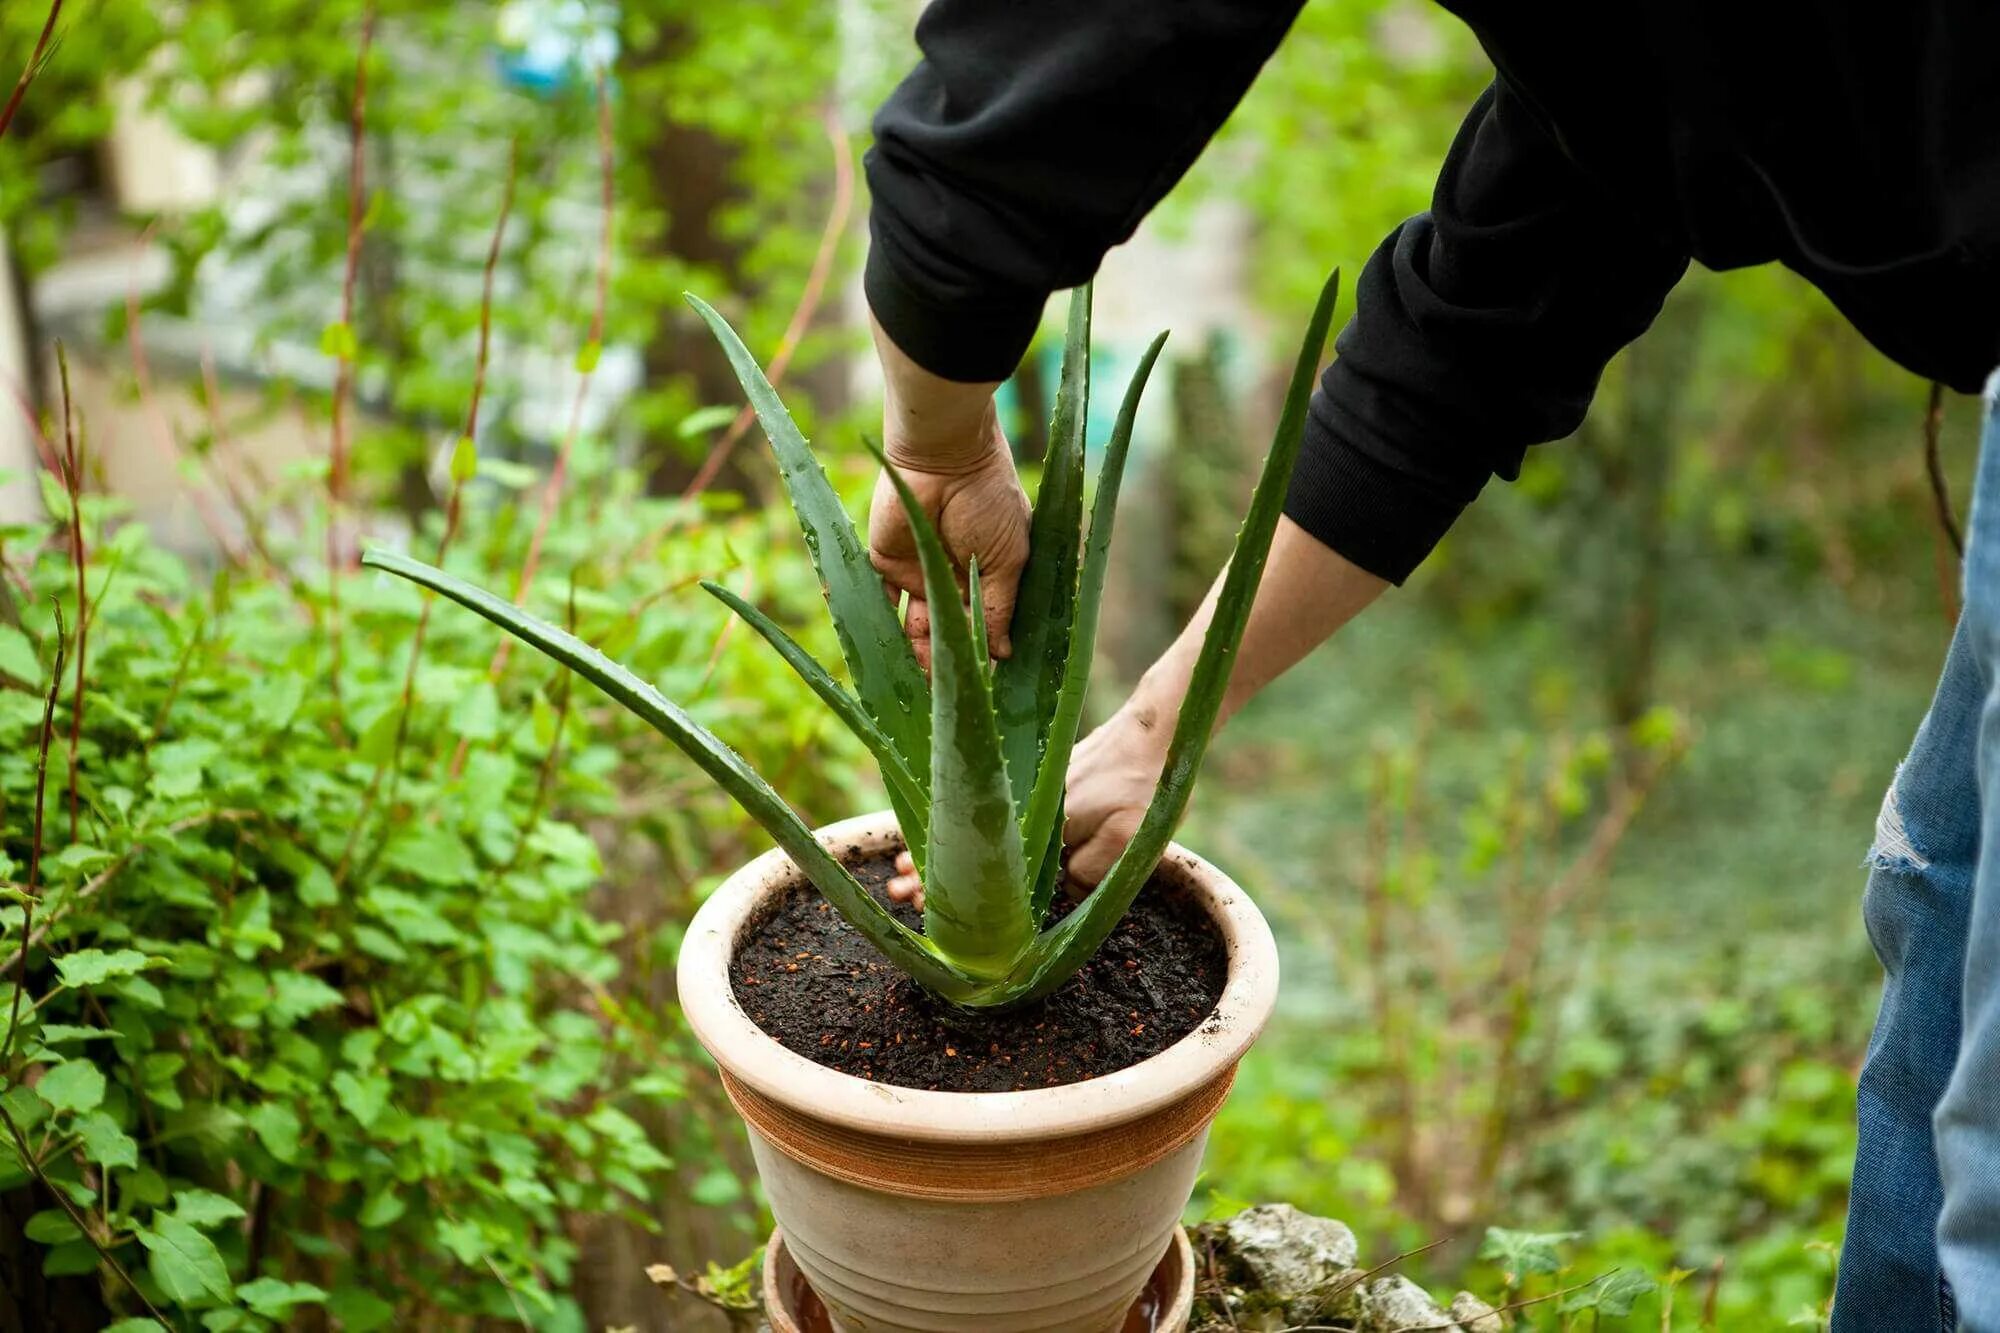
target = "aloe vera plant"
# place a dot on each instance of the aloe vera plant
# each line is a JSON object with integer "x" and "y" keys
{"x": 974, "y": 756}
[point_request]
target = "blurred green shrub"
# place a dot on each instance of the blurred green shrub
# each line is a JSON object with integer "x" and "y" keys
{"x": 312, "y": 1020}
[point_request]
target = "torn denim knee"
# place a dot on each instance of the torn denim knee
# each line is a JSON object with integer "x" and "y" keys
{"x": 1893, "y": 849}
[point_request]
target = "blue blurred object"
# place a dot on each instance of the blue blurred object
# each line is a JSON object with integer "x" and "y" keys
{"x": 546, "y": 46}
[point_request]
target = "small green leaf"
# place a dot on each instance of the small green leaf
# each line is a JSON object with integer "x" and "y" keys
{"x": 105, "y": 1143}
{"x": 54, "y": 1034}
{"x": 364, "y": 1098}
{"x": 337, "y": 340}
{"x": 18, "y": 657}
{"x": 587, "y": 356}
{"x": 274, "y": 1299}
{"x": 51, "y": 1226}
{"x": 205, "y": 1208}
{"x": 464, "y": 460}
{"x": 90, "y": 967}
{"x": 717, "y": 1187}
{"x": 276, "y": 1126}
{"x": 1525, "y": 1252}
{"x": 135, "y": 1324}
{"x": 705, "y": 419}
{"x": 383, "y": 1207}
{"x": 184, "y": 1262}
{"x": 74, "y": 1085}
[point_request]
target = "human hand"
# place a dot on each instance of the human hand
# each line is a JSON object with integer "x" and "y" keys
{"x": 1112, "y": 776}
{"x": 944, "y": 438}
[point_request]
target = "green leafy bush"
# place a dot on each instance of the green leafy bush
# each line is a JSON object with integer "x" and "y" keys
{"x": 316, "y": 1013}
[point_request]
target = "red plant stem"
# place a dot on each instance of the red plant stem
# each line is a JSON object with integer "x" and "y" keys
{"x": 73, "y": 478}
{"x": 393, "y": 765}
{"x": 46, "y": 735}
{"x": 34, "y": 66}
{"x": 343, "y": 381}
{"x": 163, "y": 433}
{"x": 552, "y": 491}
{"x": 809, "y": 299}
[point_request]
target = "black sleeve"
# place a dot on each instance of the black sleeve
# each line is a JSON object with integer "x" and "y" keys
{"x": 1032, "y": 138}
{"x": 1480, "y": 328}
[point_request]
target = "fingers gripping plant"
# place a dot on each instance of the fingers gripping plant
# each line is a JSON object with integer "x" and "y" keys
{"x": 974, "y": 757}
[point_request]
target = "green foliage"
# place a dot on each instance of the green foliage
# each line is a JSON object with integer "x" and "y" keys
{"x": 311, "y": 1017}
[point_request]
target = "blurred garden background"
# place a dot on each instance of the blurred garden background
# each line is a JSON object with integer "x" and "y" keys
{"x": 347, "y": 998}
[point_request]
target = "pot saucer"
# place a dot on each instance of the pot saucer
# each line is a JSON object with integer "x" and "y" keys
{"x": 1163, "y": 1307}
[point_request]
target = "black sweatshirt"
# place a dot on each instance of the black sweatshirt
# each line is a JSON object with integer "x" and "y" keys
{"x": 1858, "y": 144}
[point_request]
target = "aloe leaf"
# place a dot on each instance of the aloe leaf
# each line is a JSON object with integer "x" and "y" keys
{"x": 1025, "y": 684}
{"x": 902, "y": 946}
{"x": 975, "y": 880}
{"x": 905, "y": 793}
{"x": 1041, "y": 825}
{"x": 886, "y": 676}
{"x": 1063, "y": 948}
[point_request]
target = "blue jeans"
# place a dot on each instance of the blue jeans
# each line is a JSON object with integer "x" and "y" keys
{"x": 1923, "y": 1223}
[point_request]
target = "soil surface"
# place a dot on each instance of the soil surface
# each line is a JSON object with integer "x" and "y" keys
{"x": 810, "y": 980}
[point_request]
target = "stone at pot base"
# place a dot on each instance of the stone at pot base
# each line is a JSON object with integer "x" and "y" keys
{"x": 1163, "y": 1307}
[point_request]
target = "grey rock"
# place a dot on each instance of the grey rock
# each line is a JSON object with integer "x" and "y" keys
{"x": 1292, "y": 1254}
{"x": 1398, "y": 1305}
{"x": 1475, "y": 1315}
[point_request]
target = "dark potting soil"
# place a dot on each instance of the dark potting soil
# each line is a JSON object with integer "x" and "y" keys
{"x": 813, "y": 982}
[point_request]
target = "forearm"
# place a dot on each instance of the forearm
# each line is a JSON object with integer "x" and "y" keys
{"x": 1308, "y": 591}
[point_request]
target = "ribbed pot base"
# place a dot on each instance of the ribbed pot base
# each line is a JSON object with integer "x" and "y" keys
{"x": 1163, "y": 1307}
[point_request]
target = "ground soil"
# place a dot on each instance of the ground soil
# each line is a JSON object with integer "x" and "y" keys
{"x": 810, "y": 980}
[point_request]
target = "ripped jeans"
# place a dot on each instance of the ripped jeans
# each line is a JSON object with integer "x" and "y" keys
{"x": 1923, "y": 1223}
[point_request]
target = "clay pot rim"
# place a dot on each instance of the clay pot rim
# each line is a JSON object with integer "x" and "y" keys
{"x": 755, "y": 1058}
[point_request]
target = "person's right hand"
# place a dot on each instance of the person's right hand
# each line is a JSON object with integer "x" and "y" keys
{"x": 944, "y": 438}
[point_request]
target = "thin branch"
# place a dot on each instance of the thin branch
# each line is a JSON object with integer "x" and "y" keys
{"x": 218, "y": 434}
{"x": 33, "y": 67}
{"x": 392, "y": 766}
{"x": 76, "y": 1218}
{"x": 594, "y": 343}
{"x": 73, "y": 477}
{"x": 45, "y": 736}
{"x": 343, "y": 382}
{"x": 1947, "y": 517}
{"x": 1934, "y": 465}
{"x": 163, "y": 434}
{"x": 809, "y": 299}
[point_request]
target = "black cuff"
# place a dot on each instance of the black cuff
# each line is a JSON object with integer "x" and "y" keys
{"x": 1383, "y": 520}
{"x": 970, "y": 341}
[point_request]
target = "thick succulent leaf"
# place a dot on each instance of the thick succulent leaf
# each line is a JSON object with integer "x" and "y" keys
{"x": 886, "y": 676}
{"x": 1041, "y": 824}
{"x": 975, "y": 880}
{"x": 902, "y": 946}
{"x": 1025, "y": 685}
{"x": 905, "y": 793}
{"x": 1063, "y": 948}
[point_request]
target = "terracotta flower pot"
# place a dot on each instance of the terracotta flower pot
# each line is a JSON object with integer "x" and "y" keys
{"x": 1014, "y": 1212}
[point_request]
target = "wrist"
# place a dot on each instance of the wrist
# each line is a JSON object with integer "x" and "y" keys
{"x": 931, "y": 424}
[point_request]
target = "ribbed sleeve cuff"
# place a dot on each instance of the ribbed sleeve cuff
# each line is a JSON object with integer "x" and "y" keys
{"x": 1382, "y": 520}
{"x": 970, "y": 341}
